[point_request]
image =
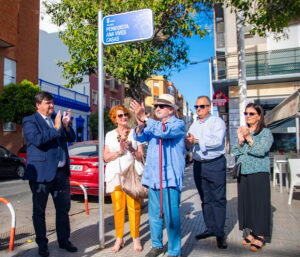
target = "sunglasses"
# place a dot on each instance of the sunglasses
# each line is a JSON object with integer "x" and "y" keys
{"x": 161, "y": 106}
{"x": 202, "y": 106}
{"x": 121, "y": 115}
{"x": 251, "y": 114}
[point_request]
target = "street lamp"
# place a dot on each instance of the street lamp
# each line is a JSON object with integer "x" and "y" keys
{"x": 209, "y": 60}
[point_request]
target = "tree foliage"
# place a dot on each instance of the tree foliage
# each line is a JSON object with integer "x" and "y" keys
{"x": 17, "y": 101}
{"x": 174, "y": 21}
{"x": 93, "y": 124}
{"x": 266, "y": 15}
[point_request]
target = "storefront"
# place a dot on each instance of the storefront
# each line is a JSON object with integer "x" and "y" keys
{"x": 283, "y": 120}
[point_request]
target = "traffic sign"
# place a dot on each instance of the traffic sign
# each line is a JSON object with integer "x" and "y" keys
{"x": 128, "y": 27}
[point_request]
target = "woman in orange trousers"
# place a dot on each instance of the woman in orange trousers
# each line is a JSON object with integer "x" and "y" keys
{"x": 120, "y": 150}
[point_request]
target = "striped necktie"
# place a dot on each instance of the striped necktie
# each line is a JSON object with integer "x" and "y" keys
{"x": 62, "y": 154}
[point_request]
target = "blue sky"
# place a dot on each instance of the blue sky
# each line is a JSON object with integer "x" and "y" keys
{"x": 193, "y": 81}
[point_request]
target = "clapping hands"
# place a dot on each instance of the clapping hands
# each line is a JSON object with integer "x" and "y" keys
{"x": 243, "y": 132}
{"x": 67, "y": 119}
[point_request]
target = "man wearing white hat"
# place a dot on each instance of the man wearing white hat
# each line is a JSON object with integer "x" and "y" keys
{"x": 173, "y": 164}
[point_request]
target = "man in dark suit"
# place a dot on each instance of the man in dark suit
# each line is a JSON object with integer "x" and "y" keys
{"x": 48, "y": 169}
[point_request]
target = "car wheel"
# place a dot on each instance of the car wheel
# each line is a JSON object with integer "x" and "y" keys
{"x": 20, "y": 171}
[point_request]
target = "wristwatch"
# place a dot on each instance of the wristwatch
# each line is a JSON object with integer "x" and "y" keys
{"x": 145, "y": 119}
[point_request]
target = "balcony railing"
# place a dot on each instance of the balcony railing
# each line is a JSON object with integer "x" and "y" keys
{"x": 258, "y": 64}
{"x": 66, "y": 97}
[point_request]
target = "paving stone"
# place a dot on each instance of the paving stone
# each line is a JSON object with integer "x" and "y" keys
{"x": 285, "y": 240}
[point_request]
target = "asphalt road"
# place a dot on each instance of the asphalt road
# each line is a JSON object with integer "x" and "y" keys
{"x": 18, "y": 193}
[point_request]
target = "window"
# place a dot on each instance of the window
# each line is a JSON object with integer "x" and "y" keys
{"x": 171, "y": 90}
{"x": 112, "y": 102}
{"x": 9, "y": 71}
{"x": 155, "y": 98}
{"x": 112, "y": 83}
{"x": 155, "y": 84}
{"x": 95, "y": 97}
{"x": 117, "y": 102}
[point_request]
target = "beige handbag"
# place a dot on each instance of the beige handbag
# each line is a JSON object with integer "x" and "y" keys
{"x": 131, "y": 183}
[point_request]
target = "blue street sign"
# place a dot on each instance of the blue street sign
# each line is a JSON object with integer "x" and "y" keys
{"x": 128, "y": 27}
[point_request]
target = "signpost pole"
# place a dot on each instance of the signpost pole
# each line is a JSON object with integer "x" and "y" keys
{"x": 116, "y": 29}
{"x": 210, "y": 85}
{"x": 100, "y": 131}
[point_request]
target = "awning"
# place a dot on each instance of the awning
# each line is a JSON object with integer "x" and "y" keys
{"x": 288, "y": 108}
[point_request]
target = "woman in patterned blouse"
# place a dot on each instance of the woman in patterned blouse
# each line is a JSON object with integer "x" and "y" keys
{"x": 254, "y": 204}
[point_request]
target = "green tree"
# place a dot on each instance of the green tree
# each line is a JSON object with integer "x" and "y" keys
{"x": 93, "y": 124}
{"x": 266, "y": 15}
{"x": 17, "y": 101}
{"x": 174, "y": 21}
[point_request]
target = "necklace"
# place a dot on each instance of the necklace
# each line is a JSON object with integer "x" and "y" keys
{"x": 125, "y": 136}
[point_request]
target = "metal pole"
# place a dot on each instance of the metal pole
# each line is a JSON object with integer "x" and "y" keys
{"x": 241, "y": 66}
{"x": 210, "y": 85}
{"x": 297, "y": 134}
{"x": 100, "y": 131}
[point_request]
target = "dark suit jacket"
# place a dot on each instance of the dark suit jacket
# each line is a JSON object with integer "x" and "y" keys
{"x": 43, "y": 145}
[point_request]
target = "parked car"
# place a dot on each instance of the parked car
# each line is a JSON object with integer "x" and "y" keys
{"x": 84, "y": 167}
{"x": 11, "y": 165}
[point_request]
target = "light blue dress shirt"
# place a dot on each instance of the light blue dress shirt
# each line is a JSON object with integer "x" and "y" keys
{"x": 173, "y": 146}
{"x": 255, "y": 158}
{"x": 211, "y": 136}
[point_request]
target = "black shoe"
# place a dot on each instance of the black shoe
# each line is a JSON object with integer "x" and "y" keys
{"x": 204, "y": 235}
{"x": 68, "y": 246}
{"x": 221, "y": 242}
{"x": 155, "y": 252}
{"x": 43, "y": 251}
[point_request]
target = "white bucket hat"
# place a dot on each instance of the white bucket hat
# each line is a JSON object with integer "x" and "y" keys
{"x": 166, "y": 99}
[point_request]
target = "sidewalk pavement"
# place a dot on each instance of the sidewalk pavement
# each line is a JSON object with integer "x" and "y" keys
{"x": 84, "y": 235}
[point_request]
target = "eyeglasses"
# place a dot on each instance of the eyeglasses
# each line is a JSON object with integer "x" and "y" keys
{"x": 251, "y": 114}
{"x": 202, "y": 106}
{"x": 161, "y": 106}
{"x": 121, "y": 115}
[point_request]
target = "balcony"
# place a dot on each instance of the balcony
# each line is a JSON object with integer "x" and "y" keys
{"x": 261, "y": 65}
{"x": 66, "y": 97}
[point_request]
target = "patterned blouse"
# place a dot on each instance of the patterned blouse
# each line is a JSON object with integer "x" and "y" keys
{"x": 255, "y": 158}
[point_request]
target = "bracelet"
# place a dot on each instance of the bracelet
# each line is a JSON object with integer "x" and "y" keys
{"x": 251, "y": 140}
{"x": 119, "y": 153}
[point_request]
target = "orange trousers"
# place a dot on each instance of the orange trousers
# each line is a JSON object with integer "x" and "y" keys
{"x": 119, "y": 199}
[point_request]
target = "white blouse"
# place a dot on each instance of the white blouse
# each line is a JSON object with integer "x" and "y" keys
{"x": 119, "y": 165}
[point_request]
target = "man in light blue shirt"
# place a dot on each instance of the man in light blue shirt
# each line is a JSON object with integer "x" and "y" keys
{"x": 173, "y": 164}
{"x": 206, "y": 138}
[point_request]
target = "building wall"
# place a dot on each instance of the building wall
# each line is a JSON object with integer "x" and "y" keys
{"x": 292, "y": 41}
{"x": 109, "y": 93}
{"x": 160, "y": 88}
{"x": 52, "y": 50}
{"x": 252, "y": 43}
{"x": 19, "y": 23}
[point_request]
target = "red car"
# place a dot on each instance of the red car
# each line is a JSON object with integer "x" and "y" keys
{"x": 22, "y": 152}
{"x": 84, "y": 167}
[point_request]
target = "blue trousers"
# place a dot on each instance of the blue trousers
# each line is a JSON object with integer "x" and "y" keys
{"x": 59, "y": 188}
{"x": 171, "y": 201}
{"x": 210, "y": 180}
